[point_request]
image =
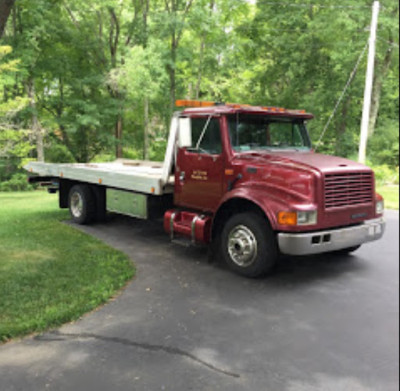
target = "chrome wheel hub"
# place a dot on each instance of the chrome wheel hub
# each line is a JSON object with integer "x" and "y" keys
{"x": 76, "y": 205}
{"x": 242, "y": 246}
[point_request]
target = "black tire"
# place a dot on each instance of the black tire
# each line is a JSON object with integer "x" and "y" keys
{"x": 346, "y": 251}
{"x": 248, "y": 245}
{"x": 82, "y": 204}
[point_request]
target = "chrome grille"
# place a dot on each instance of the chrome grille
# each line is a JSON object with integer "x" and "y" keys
{"x": 348, "y": 189}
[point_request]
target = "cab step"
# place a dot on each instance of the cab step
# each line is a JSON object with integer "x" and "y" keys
{"x": 190, "y": 225}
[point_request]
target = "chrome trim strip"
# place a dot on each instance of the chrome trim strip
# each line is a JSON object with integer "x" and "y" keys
{"x": 194, "y": 221}
{"x": 171, "y": 226}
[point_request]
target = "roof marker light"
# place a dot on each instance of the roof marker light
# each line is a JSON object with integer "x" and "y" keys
{"x": 194, "y": 103}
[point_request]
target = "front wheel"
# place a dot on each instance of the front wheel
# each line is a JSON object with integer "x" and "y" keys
{"x": 248, "y": 245}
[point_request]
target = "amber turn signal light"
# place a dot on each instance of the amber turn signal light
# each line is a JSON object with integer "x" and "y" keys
{"x": 287, "y": 218}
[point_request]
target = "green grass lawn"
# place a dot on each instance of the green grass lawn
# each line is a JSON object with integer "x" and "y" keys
{"x": 50, "y": 273}
{"x": 391, "y": 195}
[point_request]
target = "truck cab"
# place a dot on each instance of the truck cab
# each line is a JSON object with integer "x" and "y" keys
{"x": 248, "y": 181}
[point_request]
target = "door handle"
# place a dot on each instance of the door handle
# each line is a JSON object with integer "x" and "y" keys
{"x": 182, "y": 176}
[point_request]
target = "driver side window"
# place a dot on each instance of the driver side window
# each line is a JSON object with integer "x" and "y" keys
{"x": 211, "y": 140}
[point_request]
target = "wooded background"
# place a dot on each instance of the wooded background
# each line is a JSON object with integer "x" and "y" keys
{"x": 84, "y": 80}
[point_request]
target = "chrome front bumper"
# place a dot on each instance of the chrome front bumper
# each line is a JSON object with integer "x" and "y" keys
{"x": 330, "y": 240}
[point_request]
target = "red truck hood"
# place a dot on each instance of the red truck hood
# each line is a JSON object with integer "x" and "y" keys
{"x": 316, "y": 161}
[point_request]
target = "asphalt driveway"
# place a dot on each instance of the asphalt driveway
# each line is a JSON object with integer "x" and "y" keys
{"x": 320, "y": 323}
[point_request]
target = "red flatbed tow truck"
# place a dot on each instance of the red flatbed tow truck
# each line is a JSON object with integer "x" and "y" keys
{"x": 243, "y": 179}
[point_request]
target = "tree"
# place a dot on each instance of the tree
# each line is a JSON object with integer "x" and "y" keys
{"x": 386, "y": 48}
{"x": 5, "y": 10}
{"x": 106, "y": 75}
{"x": 14, "y": 141}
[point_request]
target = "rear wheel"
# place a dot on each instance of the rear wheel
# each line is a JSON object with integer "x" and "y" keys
{"x": 248, "y": 245}
{"x": 82, "y": 204}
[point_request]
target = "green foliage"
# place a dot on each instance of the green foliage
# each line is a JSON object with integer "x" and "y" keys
{"x": 58, "y": 153}
{"x": 50, "y": 273}
{"x": 18, "y": 182}
{"x": 7, "y": 168}
{"x": 157, "y": 150}
{"x": 385, "y": 175}
{"x": 133, "y": 154}
{"x": 114, "y": 61}
{"x": 384, "y": 144}
{"x": 390, "y": 193}
{"x": 14, "y": 143}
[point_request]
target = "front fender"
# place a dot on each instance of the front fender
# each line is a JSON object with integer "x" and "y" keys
{"x": 268, "y": 199}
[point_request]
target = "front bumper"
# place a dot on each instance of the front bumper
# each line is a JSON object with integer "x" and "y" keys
{"x": 331, "y": 240}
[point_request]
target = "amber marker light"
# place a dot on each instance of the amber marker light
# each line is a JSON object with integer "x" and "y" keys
{"x": 193, "y": 103}
{"x": 229, "y": 171}
{"x": 100, "y": 181}
{"x": 287, "y": 218}
{"x": 153, "y": 190}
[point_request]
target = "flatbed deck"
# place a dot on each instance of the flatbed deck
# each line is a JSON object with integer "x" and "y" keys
{"x": 134, "y": 175}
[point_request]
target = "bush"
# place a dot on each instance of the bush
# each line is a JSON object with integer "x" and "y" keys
{"x": 58, "y": 153}
{"x": 18, "y": 182}
{"x": 8, "y": 167}
{"x": 157, "y": 150}
{"x": 383, "y": 146}
{"x": 133, "y": 154}
{"x": 384, "y": 175}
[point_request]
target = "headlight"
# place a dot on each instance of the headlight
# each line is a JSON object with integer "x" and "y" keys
{"x": 380, "y": 207}
{"x": 307, "y": 218}
{"x": 298, "y": 218}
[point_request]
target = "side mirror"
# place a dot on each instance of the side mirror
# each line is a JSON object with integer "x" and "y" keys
{"x": 185, "y": 133}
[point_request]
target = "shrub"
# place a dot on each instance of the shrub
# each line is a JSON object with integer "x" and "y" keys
{"x": 134, "y": 154}
{"x": 18, "y": 182}
{"x": 383, "y": 146}
{"x": 157, "y": 150}
{"x": 8, "y": 167}
{"x": 58, "y": 153}
{"x": 384, "y": 175}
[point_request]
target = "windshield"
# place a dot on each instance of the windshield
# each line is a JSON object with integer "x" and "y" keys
{"x": 257, "y": 132}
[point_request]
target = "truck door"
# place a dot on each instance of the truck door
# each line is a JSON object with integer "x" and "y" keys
{"x": 199, "y": 169}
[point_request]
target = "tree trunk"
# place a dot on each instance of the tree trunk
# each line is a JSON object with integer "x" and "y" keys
{"x": 176, "y": 34}
{"x": 172, "y": 73}
{"x": 118, "y": 136}
{"x": 114, "y": 38}
{"x": 5, "y": 10}
{"x": 200, "y": 73}
{"x": 380, "y": 76}
{"x": 146, "y": 130}
{"x": 37, "y": 130}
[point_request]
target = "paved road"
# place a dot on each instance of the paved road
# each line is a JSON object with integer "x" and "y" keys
{"x": 320, "y": 323}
